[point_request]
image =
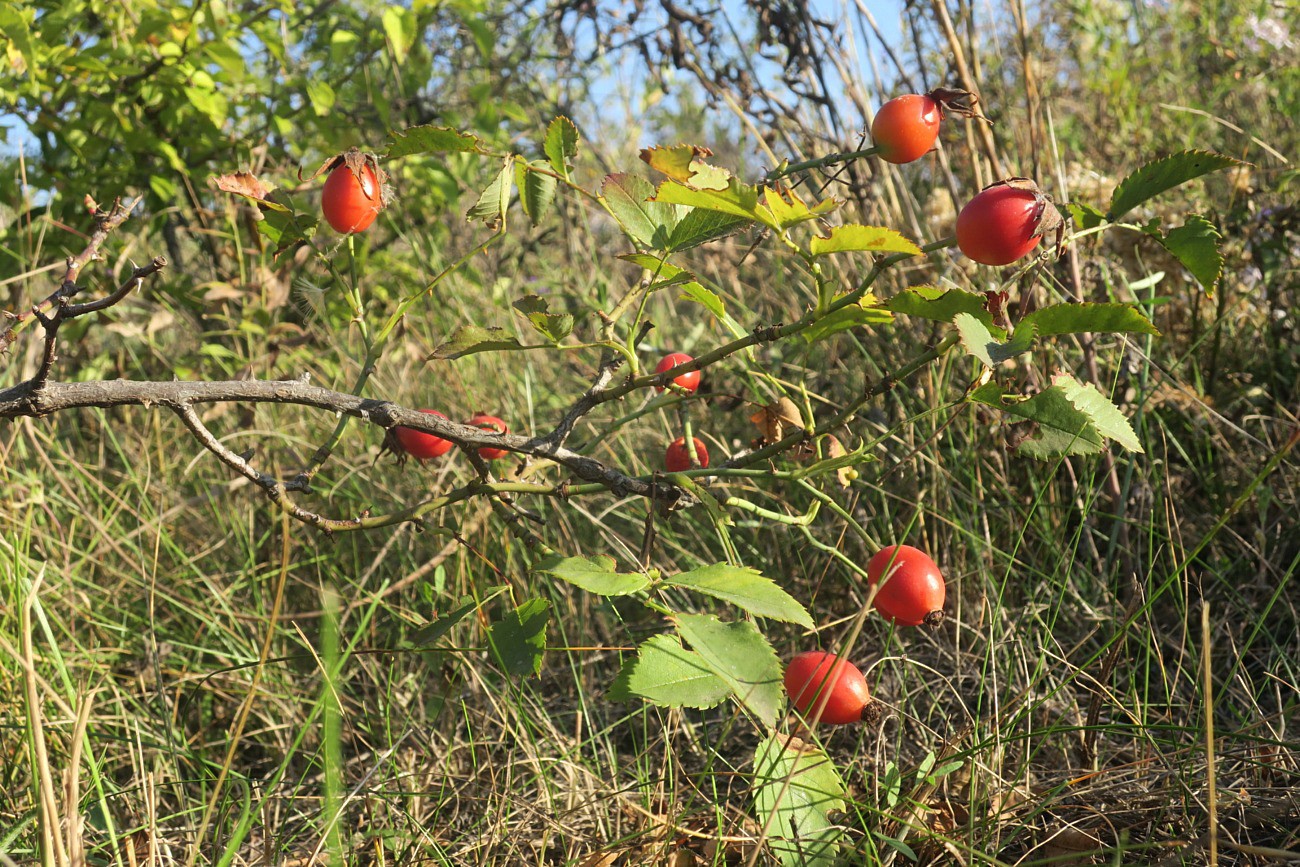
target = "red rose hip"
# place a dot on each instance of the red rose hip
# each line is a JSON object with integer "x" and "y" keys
{"x": 911, "y": 590}
{"x": 420, "y": 445}
{"x": 489, "y": 423}
{"x": 678, "y": 457}
{"x": 689, "y": 381}
{"x": 825, "y": 688}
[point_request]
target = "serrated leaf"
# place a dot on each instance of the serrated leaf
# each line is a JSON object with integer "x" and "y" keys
{"x": 789, "y": 209}
{"x": 429, "y": 140}
{"x": 796, "y": 789}
{"x": 738, "y": 200}
{"x": 1062, "y": 428}
{"x": 495, "y": 198}
{"x": 852, "y": 237}
{"x": 647, "y": 223}
{"x": 699, "y": 226}
{"x": 469, "y": 339}
{"x": 595, "y": 576}
{"x": 1196, "y": 245}
{"x": 745, "y": 588}
{"x": 741, "y": 656}
{"x": 980, "y": 342}
{"x": 285, "y": 229}
{"x": 668, "y": 273}
{"x": 666, "y": 674}
{"x": 431, "y": 632}
{"x": 553, "y": 326}
{"x": 561, "y": 145}
{"x": 536, "y": 192}
{"x": 864, "y": 311}
{"x": 1087, "y": 319}
{"x": 1164, "y": 174}
{"x": 518, "y": 640}
{"x": 941, "y": 305}
{"x": 706, "y": 299}
{"x": 1107, "y": 418}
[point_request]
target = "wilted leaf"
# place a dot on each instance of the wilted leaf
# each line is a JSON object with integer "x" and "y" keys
{"x": 248, "y": 185}
{"x": 777, "y": 421}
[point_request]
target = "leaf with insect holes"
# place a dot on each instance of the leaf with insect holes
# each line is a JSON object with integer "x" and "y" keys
{"x": 686, "y": 163}
{"x": 865, "y": 311}
{"x": 595, "y": 576}
{"x": 518, "y": 640}
{"x": 561, "y": 145}
{"x": 1196, "y": 245}
{"x": 747, "y": 589}
{"x": 429, "y": 140}
{"x": 553, "y": 326}
{"x": 1164, "y": 174}
{"x": 941, "y": 305}
{"x": 851, "y": 238}
{"x": 742, "y": 657}
{"x": 536, "y": 191}
{"x": 980, "y": 342}
{"x": 796, "y": 791}
{"x": 666, "y": 674}
{"x": 647, "y": 223}
{"x": 495, "y": 198}
{"x": 469, "y": 339}
{"x": 431, "y": 632}
{"x": 1087, "y": 319}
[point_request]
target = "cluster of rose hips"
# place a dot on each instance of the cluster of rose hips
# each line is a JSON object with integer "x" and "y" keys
{"x": 679, "y": 456}
{"x": 1005, "y": 220}
{"x": 908, "y": 590}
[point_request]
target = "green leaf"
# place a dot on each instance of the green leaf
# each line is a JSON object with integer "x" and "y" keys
{"x": 796, "y": 788}
{"x": 285, "y": 229}
{"x": 1062, "y": 428}
{"x": 1164, "y": 174}
{"x": 745, "y": 588}
{"x": 738, "y": 200}
{"x": 698, "y": 226}
{"x": 536, "y": 190}
{"x": 865, "y": 311}
{"x": 940, "y": 305}
{"x": 872, "y": 239}
{"x": 981, "y": 343}
{"x": 829, "y": 465}
{"x": 648, "y": 224}
{"x": 401, "y": 28}
{"x": 1073, "y": 418}
{"x": 685, "y": 163}
{"x": 429, "y": 140}
{"x": 1101, "y": 412}
{"x": 1196, "y": 245}
{"x": 518, "y": 639}
{"x": 1087, "y": 319}
{"x": 789, "y": 209}
{"x": 431, "y": 632}
{"x": 492, "y": 203}
{"x": 595, "y": 576}
{"x": 321, "y": 96}
{"x": 1085, "y": 216}
{"x": 553, "y": 326}
{"x": 469, "y": 339}
{"x": 666, "y": 674}
{"x": 741, "y": 656}
{"x": 561, "y": 145}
